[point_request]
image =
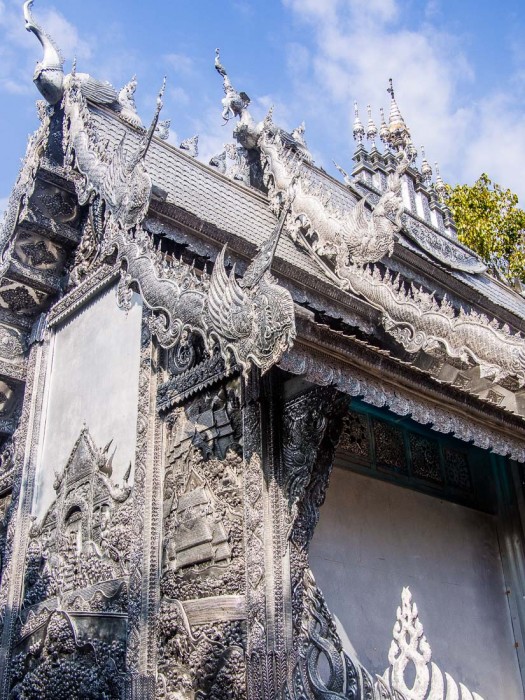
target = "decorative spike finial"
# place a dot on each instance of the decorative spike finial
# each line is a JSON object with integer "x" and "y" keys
{"x": 218, "y": 65}
{"x": 150, "y": 132}
{"x": 371, "y": 128}
{"x": 383, "y": 128}
{"x": 426, "y": 170}
{"x": 439, "y": 185}
{"x": 49, "y": 72}
{"x": 396, "y": 134}
{"x": 358, "y": 130}
{"x": 234, "y": 103}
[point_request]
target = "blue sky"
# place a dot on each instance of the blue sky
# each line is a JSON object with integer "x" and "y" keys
{"x": 458, "y": 68}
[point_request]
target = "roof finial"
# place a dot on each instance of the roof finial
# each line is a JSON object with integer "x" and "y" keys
{"x": 426, "y": 170}
{"x": 149, "y": 134}
{"x": 371, "y": 128}
{"x": 358, "y": 130}
{"x": 439, "y": 185}
{"x": 396, "y": 134}
{"x": 383, "y": 128}
{"x": 234, "y": 103}
{"x": 49, "y": 72}
{"x": 126, "y": 98}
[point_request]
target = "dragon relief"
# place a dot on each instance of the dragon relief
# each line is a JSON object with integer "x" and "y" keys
{"x": 347, "y": 240}
{"x": 119, "y": 177}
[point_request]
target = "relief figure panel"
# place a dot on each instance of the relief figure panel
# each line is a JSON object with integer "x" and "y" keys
{"x": 202, "y": 631}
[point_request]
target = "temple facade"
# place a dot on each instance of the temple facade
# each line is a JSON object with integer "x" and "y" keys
{"x": 263, "y": 431}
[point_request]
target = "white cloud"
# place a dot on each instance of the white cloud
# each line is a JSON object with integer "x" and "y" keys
{"x": 180, "y": 63}
{"x": 360, "y": 44}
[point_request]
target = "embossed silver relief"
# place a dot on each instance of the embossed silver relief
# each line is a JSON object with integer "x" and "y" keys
{"x": 410, "y": 649}
{"x": 83, "y": 538}
{"x": 312, "y": 428}
{"x": 76, "y": 582}
{"x": 202, "y": 636}
{"x": 325, "y": 371}
{"x": 252, "y": 320}
{"x": 120, "y": 179}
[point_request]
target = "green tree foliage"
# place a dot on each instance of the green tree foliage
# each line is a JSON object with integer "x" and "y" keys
{"x": 490, "y": 222}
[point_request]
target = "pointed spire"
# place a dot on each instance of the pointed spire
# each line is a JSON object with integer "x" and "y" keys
{"x": 383, "y": 128}
{"x": 398, "y": 136}
{"x": 371, "y": 128}
{"x": 439, "y": 185}
{"x": 358, "y": 130}
{"x": 395, "y": 120}
{"x": 426, "y": 170}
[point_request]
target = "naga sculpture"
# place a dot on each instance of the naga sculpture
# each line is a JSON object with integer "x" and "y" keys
{"x": 252, "y": 319}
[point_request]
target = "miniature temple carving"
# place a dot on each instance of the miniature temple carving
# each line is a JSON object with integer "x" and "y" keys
{"x": 75, "y": 580}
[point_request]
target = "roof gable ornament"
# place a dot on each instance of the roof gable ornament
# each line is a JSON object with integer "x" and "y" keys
{"x": 120, "y": 178}
{"x": 251, "y": 320}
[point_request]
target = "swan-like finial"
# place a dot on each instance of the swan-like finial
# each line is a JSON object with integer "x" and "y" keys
{"x": 49, "y": 72}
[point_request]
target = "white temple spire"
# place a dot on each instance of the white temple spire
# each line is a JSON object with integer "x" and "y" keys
{"x": 371, "y": 128}
{"x": 358, "y": 130}
{"x": 426, "y": 169}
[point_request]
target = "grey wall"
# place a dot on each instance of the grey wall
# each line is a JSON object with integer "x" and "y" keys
{"x": 92, "y": 379}
{"x": 373, "y": 538}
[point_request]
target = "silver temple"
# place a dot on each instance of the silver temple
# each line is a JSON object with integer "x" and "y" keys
{"x": 244, "y": 407}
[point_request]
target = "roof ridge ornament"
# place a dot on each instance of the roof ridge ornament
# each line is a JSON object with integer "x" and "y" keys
{"x": 439, "y": 185}
{"x": 119, "y": 177}
{"x": 358, "y": 130}
{"x": 234, "y": 102}
{"x": 396, "y": 135}
{"x": 426, "y": 169}
{"x": 49, "y": 72}
{"x": 126, "y": 99}
{"x": 371, "y": 128}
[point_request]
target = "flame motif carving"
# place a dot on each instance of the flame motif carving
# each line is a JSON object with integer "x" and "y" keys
{"x": 410, "y": 646}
